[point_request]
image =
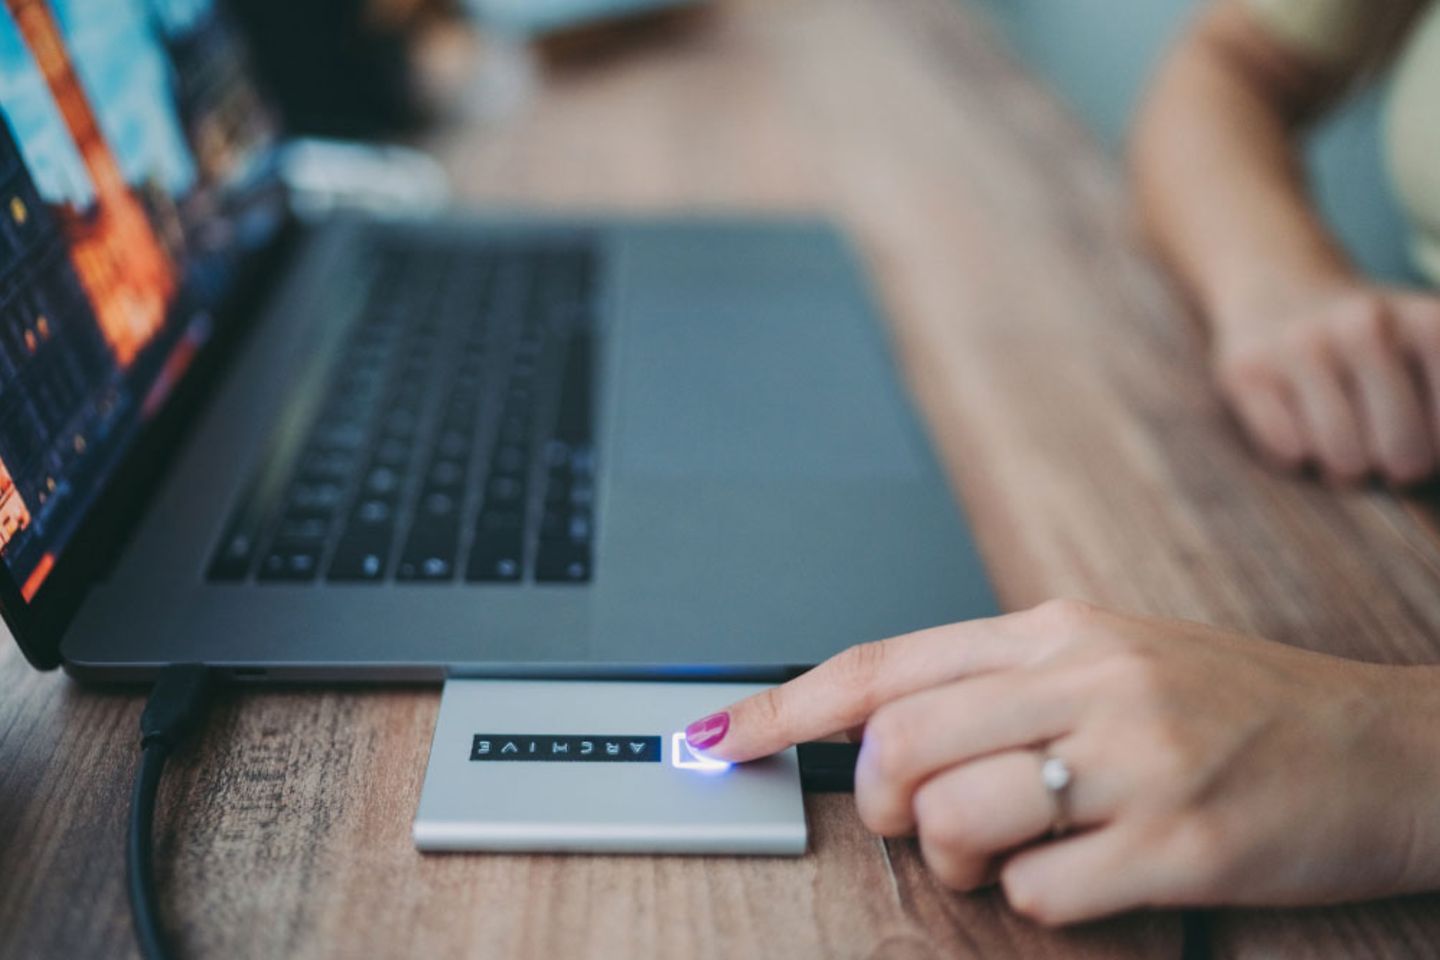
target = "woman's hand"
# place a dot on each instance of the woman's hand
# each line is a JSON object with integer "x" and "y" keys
{"x": 1208, "y": 768}
{"x": 1347, "y": 380}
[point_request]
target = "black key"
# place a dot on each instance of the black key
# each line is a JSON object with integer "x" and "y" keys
{"x": 410, "y": 395}
{"x": 429, "y": 553}
{"x": 582, "y": 493}
{"x": 321, "y": 466}
{"x": 514, "y": 431}
{"x": 582, "y": 462}
{"x": 381, "y": 481}
{"x": 566, "y": 524}
{"x": 363, "y": 552}
{"x": 554, "y": 524}
{"x": 496, "y": 558}
{"x": 497, "y": 523}
{"x": 562, "y": 561}
{"x": 360, "y": 558}
{"x": 393, "y": 452}
{"x": 504, "y": 490}
{"x": 319, "y": 497}
{"x": 510, "y": 458}
{"x": 303, "y": 528}
{"x": 373, "y": 513}
{"x": 572, "y": 423}
{"x": 452, "y": 443}
{"x": 557, "y": 454}
{"x": 344, "y": 436}
{"x": 557, "y": 488}
{"x": 401, "y": 424}
{"x": 296, "y": 563}
{"x": 237, "y": 551}
{"x": 445, "y": 473}
{"x": 438, "y": 506}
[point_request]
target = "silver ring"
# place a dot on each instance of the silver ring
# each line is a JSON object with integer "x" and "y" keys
{"x": 1057, "y": 778}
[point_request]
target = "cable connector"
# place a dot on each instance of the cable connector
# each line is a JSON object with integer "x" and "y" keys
{"x": 176, "y": 705}
{"x": 828, "y": 767}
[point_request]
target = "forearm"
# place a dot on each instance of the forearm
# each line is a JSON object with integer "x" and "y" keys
{"x": 1219, "y": 180}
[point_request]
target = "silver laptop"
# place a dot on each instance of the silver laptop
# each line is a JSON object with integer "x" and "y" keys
{"x": 381, "y": 450}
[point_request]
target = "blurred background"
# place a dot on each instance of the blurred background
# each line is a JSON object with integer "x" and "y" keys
{"x": 1097, "y": 54}
{"x": 382, "y": 69}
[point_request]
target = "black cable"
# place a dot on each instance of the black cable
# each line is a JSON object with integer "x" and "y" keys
{"x": 828, "y": 767}
{"x": 139, "y": 867}
{"x": 175, "y": 708}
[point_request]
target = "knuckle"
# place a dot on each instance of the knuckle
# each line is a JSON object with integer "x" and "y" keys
{"x": 1245, "y": 369}
{"x": 1363, "y": 320}
{"x": 1309, "y": 342}
{"x": 1423, "y": 333}
{"x": 769, "y": 708}
{"x": 1411, "y": 474}
{"x": 1067, "y": 613}
{"x": 858, "y": 666}
{"x": 1409, "y": 466}
{"x": 938, "y": 823}
{"x": 1347, "y": 463}
{"x": 890, "y": 739}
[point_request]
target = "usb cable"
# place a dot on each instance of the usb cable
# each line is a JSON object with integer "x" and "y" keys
{"x": 176, "y": 707}
{"x": 827, "y": 767}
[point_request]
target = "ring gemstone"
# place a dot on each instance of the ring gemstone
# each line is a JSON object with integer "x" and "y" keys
{"x": 1055, "y": 774}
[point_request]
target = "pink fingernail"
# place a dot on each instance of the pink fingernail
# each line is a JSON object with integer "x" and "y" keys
{"x": 703, "y": 734}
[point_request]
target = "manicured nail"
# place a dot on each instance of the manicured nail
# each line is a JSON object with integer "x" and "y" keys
{"x": 703, "y": 734}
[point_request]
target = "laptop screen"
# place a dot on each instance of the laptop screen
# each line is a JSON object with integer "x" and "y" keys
{"x": 134, "y": 173}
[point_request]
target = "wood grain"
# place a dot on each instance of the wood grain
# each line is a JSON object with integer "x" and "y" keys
{"x": 286, "y": 832}
{"x": 1064, "y": 386}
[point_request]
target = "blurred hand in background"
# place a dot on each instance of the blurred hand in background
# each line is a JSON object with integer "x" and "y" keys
{"x": 1320, "y": 366}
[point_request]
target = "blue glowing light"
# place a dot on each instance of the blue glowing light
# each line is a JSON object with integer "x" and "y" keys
{"x": 682, "y": 757}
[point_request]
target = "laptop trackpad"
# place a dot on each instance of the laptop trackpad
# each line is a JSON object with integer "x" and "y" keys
{"x": 751, "y": 352}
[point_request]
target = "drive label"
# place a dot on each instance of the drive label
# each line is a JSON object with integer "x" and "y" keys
{"x": 551, "y": 748}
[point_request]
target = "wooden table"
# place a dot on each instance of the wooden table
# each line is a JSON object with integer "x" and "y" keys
{"x": 1066, "y": 391}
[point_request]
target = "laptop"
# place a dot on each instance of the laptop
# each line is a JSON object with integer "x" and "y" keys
{"x": 399, "y": 449}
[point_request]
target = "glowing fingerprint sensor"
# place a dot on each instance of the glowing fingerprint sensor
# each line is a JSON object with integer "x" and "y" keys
{"x": 684, "y": 758}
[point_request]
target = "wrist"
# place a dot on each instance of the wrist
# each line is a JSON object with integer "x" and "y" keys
{"x": 1409, "y": 746}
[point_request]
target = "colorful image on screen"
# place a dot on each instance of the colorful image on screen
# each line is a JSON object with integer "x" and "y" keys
{"x": 133, "y": 172}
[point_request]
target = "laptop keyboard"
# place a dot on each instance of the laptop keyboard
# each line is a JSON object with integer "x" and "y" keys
{"x": 452, "y": 443}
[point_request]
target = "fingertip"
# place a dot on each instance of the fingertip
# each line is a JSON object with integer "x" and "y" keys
{"x": 1407, "y": 474}
{"x": 1345, "y": 466}
{"x": 1271, "y": 426}
{"x": 708, "y": 731}
{"x": 1346, "y": 476}
{"x": 734, "y": 735}
{"x": 1285, "y": 460}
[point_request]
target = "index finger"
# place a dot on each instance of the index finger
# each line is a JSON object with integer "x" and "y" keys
{"x": 845, "y": 690}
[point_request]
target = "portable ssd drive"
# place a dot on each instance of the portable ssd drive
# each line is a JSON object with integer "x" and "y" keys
{"x": 599, "y": 767}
